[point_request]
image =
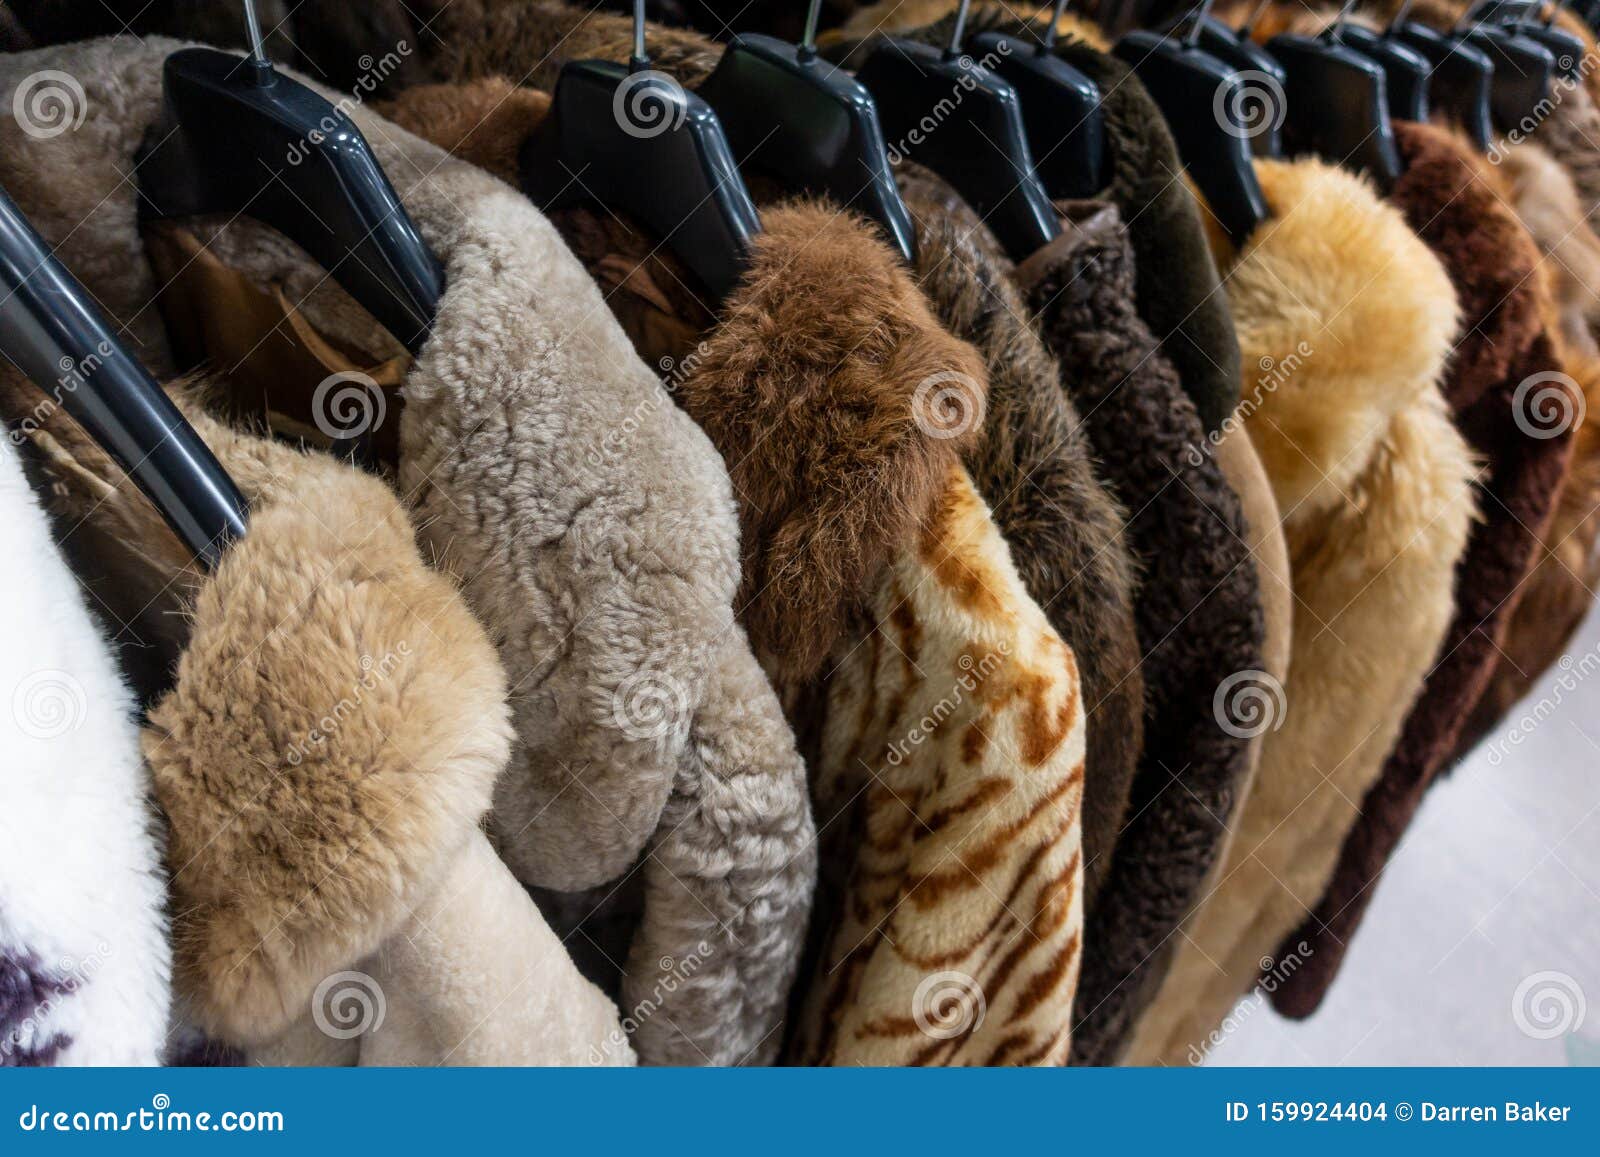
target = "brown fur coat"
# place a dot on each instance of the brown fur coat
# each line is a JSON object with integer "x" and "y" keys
{"x": 1199, "y": 618}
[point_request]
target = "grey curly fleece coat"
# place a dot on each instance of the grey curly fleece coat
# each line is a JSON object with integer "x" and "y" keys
{"x": 594, "y": 528}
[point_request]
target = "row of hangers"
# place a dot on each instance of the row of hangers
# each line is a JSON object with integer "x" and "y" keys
{"x": 1025, "y": 132}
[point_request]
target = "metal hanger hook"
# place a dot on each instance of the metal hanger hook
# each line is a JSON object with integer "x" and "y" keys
{"x": 641, "y": 58}
{"x": 959, "y": 32}
{"x": 808, "y": 39}
{"x": 1191, "y": 37}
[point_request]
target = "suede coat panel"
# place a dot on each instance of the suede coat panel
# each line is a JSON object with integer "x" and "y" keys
{"x": 592, "y": 521}
{"x": 1199, "y": 620}
{"x": 1375, "y": 486}
{"x": 1525, "y": 438}
{"x": 1033, "y": 464}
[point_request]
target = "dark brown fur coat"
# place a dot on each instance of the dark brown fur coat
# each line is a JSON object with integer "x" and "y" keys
{"x": 1199, "y": 622}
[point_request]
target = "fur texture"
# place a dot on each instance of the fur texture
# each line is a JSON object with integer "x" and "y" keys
{"x": 950, "y": 781}
{"x": 1033, "y": 464}
{"x": 1179, "y": 296}
{"x": 1199, "y": 617}
{"x": 1526, "y": 442}
{"x": 85, "y": 963}
{"x": 1375, "y": 485}
{"x": 595, "y": 526}
{"x": 336, "y": 815}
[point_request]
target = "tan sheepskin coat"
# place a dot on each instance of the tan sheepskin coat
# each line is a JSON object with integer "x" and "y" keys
{"x": 1374, "y": 485}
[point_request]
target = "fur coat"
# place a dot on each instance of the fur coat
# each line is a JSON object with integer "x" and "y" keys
{"x": 323, "y": 757}
{"x": 1179, "y": 297}
{"x": 1199, "y": 621}
{"x": 1515, "y": 405}
{"x": 610, "y": 599}
{"x": 1062, "y": 527}
{"x": 1034, "y": 464}
{"x": 1358, "y": 317}
{"x": 85, "y": 963}
{"x": 945, "y": 679}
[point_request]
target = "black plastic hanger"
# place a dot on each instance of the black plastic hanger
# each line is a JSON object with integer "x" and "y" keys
{"x": 52, "y": 332}
{"x": 1405, "y": 70}
{"x": 808, "y": 124}
{"x": 1338, "y": 103}
{"x": 1523, "y": 68}
{"x": 1261, "y": 74}
{"x": 946, "y": 111}
{"x": 636, "y": 140}
{"x": 1201, "y": 98}
{"x": 1461, "y": 75}
{"x": 1061, "y": 109}
{"x": 239, "y": 138}
{"x": 1520, "y": 16}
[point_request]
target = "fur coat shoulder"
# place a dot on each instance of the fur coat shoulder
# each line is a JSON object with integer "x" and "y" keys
{"x": 85, "y": 964}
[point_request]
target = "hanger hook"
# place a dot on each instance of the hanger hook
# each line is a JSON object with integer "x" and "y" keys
{"x": 641, "y": 58}
{"x": 1331, "y": 32}
{"x": 957, "y": 33}
{"x": 1400, "y": 16}
{"x": 1248, "y": 28}
{"x": 1466, "y": 17}
{"x": 1050, "y": 32}
{"x": 1191, "y": 38}
{"x": 260, "y": 70}
{"x": 808, "y": 40}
